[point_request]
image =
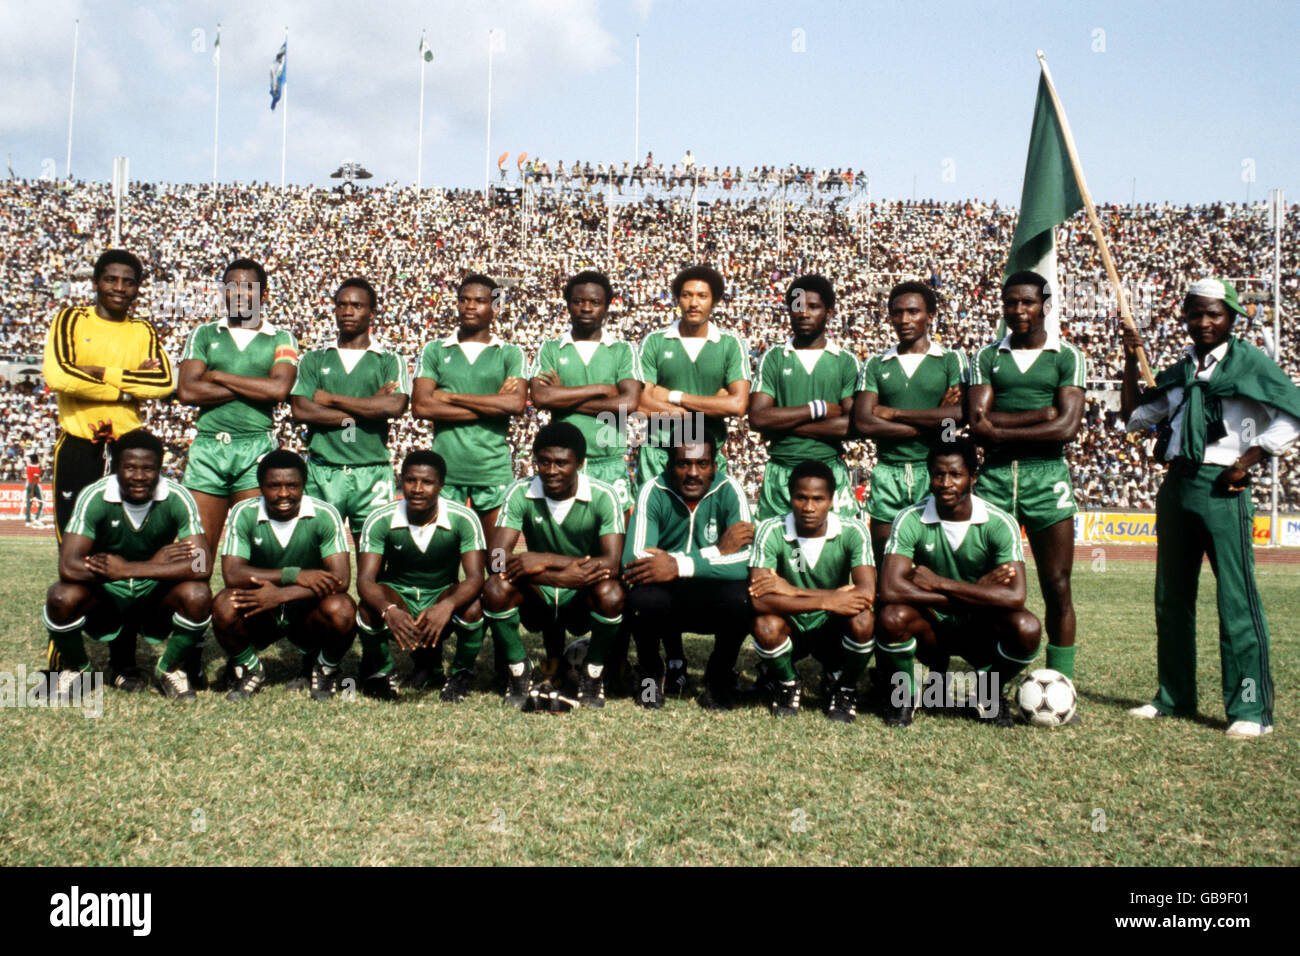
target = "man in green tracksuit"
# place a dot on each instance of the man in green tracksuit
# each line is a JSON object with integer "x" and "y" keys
{"x": 803, "y": 403}
{"x": 1228, "y": 406}
{"x": 687, "y": 563}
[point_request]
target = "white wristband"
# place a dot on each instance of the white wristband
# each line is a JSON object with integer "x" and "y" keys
{"x": 675, "y": 397}
{"x": 817, "y": 408}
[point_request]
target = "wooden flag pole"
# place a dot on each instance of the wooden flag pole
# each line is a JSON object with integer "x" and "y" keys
{"x": 1124, "y": 314}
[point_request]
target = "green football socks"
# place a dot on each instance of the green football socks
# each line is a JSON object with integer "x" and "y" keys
{"x": 1061, "y": 659}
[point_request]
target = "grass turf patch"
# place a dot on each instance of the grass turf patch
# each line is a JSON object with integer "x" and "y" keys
{"x": 282, "y": 780}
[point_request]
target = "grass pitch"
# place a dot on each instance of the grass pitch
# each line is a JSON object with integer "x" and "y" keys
{"x": 283, "y": 780}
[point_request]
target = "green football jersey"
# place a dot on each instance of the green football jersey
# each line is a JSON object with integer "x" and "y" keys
{"x": 573, "y": 527}
{"x": 365, "y": 442}
{"x": 422, "y": 557}
{"x": 723, "y": 359}
{"x": 477, "y": 452}
{"x": 816, "y": 564}
{"x": 219, "y": 348}
{"x": 1017, "y": 389}
{"x": 663, "y": 520}
{"x": 305, "y": 542}
{"x": 957, "y": 550}
{"x": 135, "y": 534}
{"x": 611, "y": 362}
{"x": 886, "y": 375}
{"x": 798, "y": 376}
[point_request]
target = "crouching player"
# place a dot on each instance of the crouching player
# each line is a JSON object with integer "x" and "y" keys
{"x": 567, "y": 580}
{"x": 134, "y": 552}
{"x": 813, "y": 584}
{"x": 408, "y": 570}
{"x": 953, "y": 582}
{"x": 285, "y": 563}
{"x": 685, "y": 564}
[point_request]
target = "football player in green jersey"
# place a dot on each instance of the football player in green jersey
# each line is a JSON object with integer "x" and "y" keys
{"x": 813, "y": 585}
{"x": 686, "y": 564}
{"x": 589, "y": 378}
{"x": 236, "y": 371}
{"x": 134, "y": 555}
{"x": 470, "y": 384}
{"x": 696, "y": 375}
{"x": 347, "y": 395}
{"x": 1026, "y": 404}
{"x": 907, "y": 396}
{"x": 567, "y": 580}
{"x": 284, "y": 559}
{"x": 804, "y": 400}
{"x": 408, "y": 568}
{"x": 953, "y": 582}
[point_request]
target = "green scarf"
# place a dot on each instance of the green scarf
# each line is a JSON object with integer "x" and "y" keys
{"x": 1243, "y": 372}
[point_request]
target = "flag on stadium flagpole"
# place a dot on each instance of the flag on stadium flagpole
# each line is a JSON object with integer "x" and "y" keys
{"x": 279, "y": 68}
{"x": 216, "y": 48}
{"x": 1050, "y": 196}
{"x": 425, "y": 53}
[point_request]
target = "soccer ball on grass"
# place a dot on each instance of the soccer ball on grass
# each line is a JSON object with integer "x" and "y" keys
{"x": 1047, "y": 698}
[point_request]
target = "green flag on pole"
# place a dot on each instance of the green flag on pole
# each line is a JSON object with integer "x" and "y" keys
{"x": 1050, "y": 196}
{"x": 425, "y": 52}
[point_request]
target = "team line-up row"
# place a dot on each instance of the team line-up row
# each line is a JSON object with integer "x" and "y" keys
{"x": 801, "y": 579}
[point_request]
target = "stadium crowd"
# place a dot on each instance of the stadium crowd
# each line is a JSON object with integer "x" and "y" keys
{"x": 414, "y": 246}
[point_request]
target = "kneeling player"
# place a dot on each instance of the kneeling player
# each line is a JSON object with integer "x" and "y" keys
{"x": 408, "y": 566}
{"x": 953, "y": 582}
{"x": 285, "y": 563}
{"x": 813, "y": 583}
{"x": 686, "y": 561}
{"x": 572, "y": 526}
{"x": 134, "y": 551}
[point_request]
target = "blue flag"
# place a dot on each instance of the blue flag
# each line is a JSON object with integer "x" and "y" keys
{"x": 278, "y": 70}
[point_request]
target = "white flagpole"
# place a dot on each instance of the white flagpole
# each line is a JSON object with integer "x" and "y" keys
{"x": 216, "y": 113}
{"x": 284, "y": 118}
{"x": 72, "y": 97}
{"x": 419, "y": 144}
{"x": 487, "y": 147}
{"x": 636, "y": 107}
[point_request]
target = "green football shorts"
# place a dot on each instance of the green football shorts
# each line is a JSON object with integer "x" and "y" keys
{"x": 1037, "y": 492}
{"x": 223, "y": 464}
{"x": 129, "y": 599}
{"x": 477, "y": 497}
{"x": 895, "y": 487}
{"x": 416, "y": 599}
{"x": 354, "y": 490}
{"x": 284, "y": 622}
{"x": 613, "y": 472}
{"x": 774, "y": 495}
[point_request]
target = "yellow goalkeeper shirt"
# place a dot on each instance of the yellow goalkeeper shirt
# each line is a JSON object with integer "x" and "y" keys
{"x": 90, "y": 407}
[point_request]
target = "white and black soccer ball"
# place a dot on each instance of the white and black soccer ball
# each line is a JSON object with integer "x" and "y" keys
{"x": 575, "y": 654}
{"x": 1047, "y": 698}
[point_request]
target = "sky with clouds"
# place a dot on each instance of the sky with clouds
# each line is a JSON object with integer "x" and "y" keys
{"x": 1189, "y": 103}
